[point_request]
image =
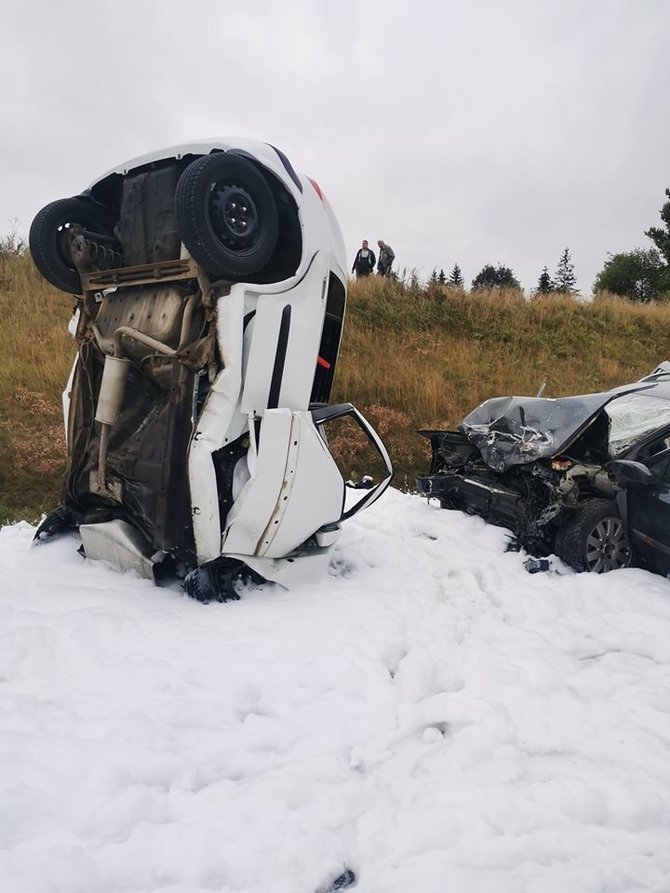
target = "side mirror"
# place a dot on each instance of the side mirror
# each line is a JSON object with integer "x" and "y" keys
{"x": 626, "y": 471}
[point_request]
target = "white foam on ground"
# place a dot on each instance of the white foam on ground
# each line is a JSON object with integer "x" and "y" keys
{"x": 431, "y": 716}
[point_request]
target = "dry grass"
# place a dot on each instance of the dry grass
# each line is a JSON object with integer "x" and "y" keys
{"x": 36, "y": 355}
{"x": 433, "y": 355}
{"x": 411, "y": 358}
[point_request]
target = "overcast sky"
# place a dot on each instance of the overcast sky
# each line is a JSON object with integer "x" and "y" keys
{"x": 469, "y": 131}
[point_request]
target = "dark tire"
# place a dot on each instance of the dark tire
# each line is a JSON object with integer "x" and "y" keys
{"x": 56, "y": 523}
{"x": 227, "y": 215}
{"x": 215, "y": 581}
{"x": 48, "y": 226}
{"x": 594, "y": 538}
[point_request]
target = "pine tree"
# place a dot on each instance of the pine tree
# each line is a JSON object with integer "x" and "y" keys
{"x": 441, "y": 278}
{"x": 433, "y": 277}
{"x": 661, "y": 237}
{"x": 456, "y": 277}
{"x": 545, "y": 284}
{"x": 564, "y": 278}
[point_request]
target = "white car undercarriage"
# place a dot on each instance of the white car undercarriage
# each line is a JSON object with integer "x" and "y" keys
{"x": 211, "y": 291}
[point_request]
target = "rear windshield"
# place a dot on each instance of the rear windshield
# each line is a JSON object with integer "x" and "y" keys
{"x": 632, "y": 416}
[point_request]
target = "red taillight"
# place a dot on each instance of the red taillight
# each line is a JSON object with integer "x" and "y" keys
{"x": 317, "y": 187}
{"x": 323, "y": 363}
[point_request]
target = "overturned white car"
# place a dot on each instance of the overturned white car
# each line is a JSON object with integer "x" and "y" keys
{"x": 212, "y": 290}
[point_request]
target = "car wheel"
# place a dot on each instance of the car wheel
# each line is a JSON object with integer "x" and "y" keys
{"x": 227, "y": 215}
{"x": 594, "y": 539}
{"x": 218, "y": 580}
{"x": 46, "y": 238}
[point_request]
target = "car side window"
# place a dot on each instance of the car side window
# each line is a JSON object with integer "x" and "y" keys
{"x": 659, "y": 446}
{"x": 656, "y": 456}
{"x": 659, "y": 463}
{"x": 654, "y": 451}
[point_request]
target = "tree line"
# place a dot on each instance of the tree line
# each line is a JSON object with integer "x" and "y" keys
{"x": 500, "y": 276}
{"x": 642, "y": 274}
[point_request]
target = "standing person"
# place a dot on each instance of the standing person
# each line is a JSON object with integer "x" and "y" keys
{"x": 386, "y": 258}
{"x": 364, "y": 262}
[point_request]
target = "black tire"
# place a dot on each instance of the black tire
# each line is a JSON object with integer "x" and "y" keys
{"x": 215, "y": 580}
{"x": 594, "y": 538}
{"x": 56, "y": 523}
{"x": 227, "y": 215}
{"x": 44, "y": 238}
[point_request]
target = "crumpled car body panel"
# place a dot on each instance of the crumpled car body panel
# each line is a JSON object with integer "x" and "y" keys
{"x": 511, "y": 431}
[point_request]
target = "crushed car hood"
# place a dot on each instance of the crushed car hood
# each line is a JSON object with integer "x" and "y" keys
{"x": 511, "y": 431}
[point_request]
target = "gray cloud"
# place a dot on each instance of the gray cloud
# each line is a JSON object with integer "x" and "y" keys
{"x": 466, "y": 131}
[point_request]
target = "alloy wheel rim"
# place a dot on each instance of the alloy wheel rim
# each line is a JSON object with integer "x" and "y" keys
{"x": 607, "y": 547}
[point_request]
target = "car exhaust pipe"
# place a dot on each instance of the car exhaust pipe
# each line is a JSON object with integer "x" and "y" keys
{"x": 112, "y": 389}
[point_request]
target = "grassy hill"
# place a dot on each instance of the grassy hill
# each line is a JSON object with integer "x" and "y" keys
{"x": 425, "y": 357}
{"x": 411, "y": 358}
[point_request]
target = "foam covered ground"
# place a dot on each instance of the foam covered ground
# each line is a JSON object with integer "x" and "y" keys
{"x": 431, "y": 716}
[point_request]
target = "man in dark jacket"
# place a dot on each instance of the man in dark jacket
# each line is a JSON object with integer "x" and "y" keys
{"x": 386, "y": 258}
{"x": 364, "y": 262}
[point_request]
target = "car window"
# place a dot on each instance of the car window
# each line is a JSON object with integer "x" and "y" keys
{"x": 632, "y": 417}
{"x": 659, "y": 464}
{"x": 652, "y": 452}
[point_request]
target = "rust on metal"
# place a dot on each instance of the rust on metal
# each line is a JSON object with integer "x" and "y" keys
{"x": 143, "y": 274}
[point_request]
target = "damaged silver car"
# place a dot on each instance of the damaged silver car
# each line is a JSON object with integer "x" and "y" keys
{"x": 584, "y": 477}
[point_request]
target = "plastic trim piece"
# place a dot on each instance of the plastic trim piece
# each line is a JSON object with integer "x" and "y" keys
{"x": 280, "y": 358}
{"x": 289, "y": 167}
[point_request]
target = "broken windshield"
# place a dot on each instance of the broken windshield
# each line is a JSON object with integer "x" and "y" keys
{"x": 632, "y": 416}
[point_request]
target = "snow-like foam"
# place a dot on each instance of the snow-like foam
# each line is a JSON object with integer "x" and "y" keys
{"x": 430, "y": 716}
